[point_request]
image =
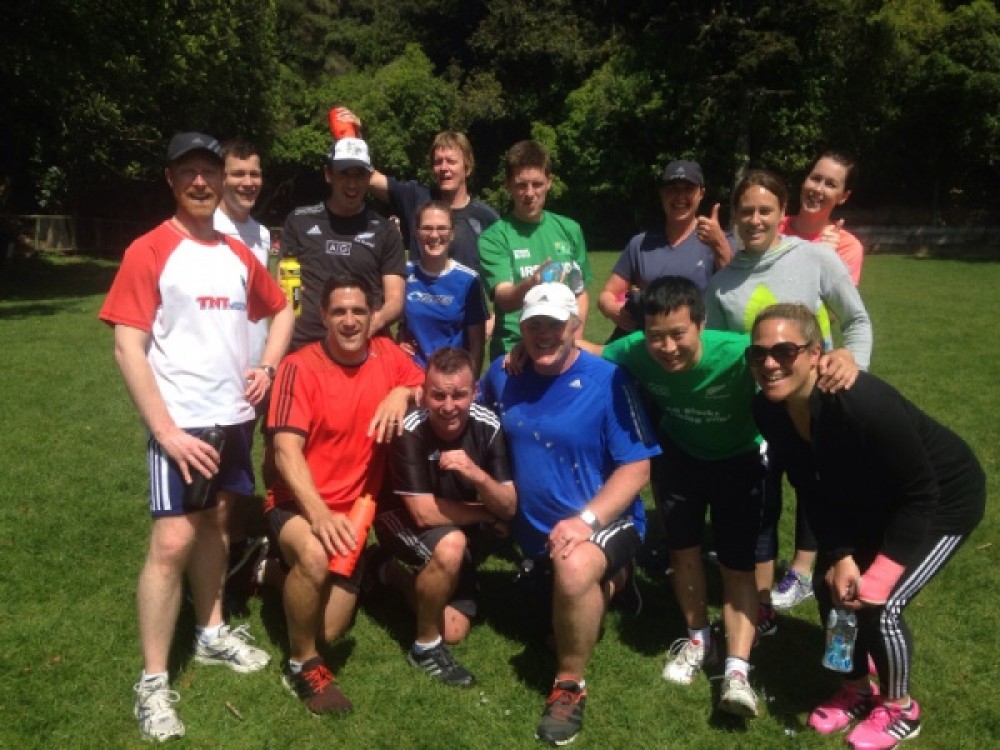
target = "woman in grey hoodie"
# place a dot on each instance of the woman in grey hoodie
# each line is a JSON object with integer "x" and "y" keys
{"x": 772, "y": 268}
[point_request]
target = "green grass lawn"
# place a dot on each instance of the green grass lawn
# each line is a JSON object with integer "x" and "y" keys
{"x": 73, "y": 526}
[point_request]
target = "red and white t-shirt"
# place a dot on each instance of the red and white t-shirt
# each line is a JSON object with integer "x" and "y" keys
{"x": 195, "y": 299}
{"x": 331, "y": 406}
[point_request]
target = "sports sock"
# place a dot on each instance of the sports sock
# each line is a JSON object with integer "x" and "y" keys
{"x": 423, "y": 648}
{"x": 207, "y": 635}
{"x": 155, "y": 677}
{"x": 735, "y": 664}
{"x": 295, "y": 667}
{"x": 701, "y": 635}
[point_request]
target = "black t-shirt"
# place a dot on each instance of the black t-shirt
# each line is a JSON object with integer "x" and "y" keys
{"x": 365, "y": 245}
{"x": 413, "y": 460}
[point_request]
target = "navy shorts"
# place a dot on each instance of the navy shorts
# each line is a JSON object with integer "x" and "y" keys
{"x": 166, "y": 485}
{"x": 732, "y": 489}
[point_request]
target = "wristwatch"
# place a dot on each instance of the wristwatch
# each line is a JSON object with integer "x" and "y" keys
{"x": 588, "y": 517}
{"x": 271, "y": 372}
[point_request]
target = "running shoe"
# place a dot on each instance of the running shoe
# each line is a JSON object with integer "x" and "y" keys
{"x": 737, "y": 697}
{"x": 154, "y": 708}
{"x": 793, "y": 589}
{"x": 562, "y": 718}
{"x": 440, "y": 664}
{"x": 885, "y": 727}
{"x": 847, "y": 706}
{"x": 315, "y": 686}
{"x": 232, "y": 648}
{"x": 685, "y": 659}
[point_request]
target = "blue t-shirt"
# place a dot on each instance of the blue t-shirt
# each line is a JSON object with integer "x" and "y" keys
{"x": 647, "y": 257}
{"x": 437, "y": 310}
{"x": 566, "y": 435}
{"x": 405, "y": 198}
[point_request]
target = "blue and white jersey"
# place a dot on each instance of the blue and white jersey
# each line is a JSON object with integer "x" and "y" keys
{"x": 438, "y": 309}
{"x": 566, "y": 435}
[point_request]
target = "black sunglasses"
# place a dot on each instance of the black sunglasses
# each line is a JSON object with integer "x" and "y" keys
{"x": 784, "y": 353}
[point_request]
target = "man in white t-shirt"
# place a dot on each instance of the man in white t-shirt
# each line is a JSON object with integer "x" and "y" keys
{"x": 180, "y": 306}
{"x": 242, "y": 179}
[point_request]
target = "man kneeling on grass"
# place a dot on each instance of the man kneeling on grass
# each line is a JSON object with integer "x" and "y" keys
{"x": 580, "y": 447}
{"x": 335, "y": 402}
{"x": 451, "y": 482}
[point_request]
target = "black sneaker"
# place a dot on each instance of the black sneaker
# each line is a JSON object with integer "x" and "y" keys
{"x": 562, "y": 718}
{"x": 439, "y": 663}
{"x": 315, "y": 687}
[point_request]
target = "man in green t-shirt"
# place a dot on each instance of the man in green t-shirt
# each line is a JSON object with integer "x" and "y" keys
{"x": 529, "y": 246}
{"x": 701, "y": 384}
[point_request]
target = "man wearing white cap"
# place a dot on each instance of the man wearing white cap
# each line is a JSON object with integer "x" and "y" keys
{"x": 342, "y": 235}
{"x": 580, "y": 446}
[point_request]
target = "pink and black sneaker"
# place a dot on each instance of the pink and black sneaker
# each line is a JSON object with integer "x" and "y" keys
{"x": 847, "y": 706}
{"x": 885, "y": 727}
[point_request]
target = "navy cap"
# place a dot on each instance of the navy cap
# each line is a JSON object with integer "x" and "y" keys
{"x": 184, "y": 143}
{"x": 689, "y": 171}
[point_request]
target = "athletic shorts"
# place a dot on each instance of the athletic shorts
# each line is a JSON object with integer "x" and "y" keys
{"x": 166, "y": 485}
{"x": 413, "y": 546}
{"x": 732, "y": 489}
{"x": 619, "y": 541}
{"x": 275, "y": 520}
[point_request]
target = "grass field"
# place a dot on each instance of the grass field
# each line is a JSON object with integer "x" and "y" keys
{"x": 73, "y": 527}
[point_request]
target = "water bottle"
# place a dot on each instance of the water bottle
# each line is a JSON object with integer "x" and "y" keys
{"x": 361, "y": 515}
{"x": 552, "y": 272}
{"x": 196, "y": 493}
{"x": 841, "y": 633}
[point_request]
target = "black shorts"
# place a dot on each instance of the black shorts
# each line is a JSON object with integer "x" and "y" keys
{"x": 275, "y": 520}
{"x": 731, "y": 488}
{"x": 413, "y": 546}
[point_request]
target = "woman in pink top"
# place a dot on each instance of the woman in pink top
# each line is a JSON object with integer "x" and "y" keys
{"x": 827, "y": 186}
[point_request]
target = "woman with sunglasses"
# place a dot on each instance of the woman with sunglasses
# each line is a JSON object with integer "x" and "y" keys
{"x": 444, "y": 303}
{"x": 773, "y": 267}
{"x": 891, "y": 494}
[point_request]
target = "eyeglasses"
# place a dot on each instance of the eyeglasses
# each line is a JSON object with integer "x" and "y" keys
{"x": 784, "y": 353}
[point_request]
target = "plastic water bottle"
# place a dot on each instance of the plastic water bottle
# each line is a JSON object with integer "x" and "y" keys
{"x": 361, "y": 516}
{"x": 841, "y": 633}
{"x": 552, "y": 272}
{"x": 196, "y": 493}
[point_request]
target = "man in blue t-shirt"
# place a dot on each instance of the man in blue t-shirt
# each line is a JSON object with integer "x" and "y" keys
{"x": 579, "y": 446}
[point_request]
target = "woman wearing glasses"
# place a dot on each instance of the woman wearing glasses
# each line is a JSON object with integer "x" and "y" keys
{"x": 444, "y": 303}
{"x": 891, "y": 494}
{"x": 774, "y": 268}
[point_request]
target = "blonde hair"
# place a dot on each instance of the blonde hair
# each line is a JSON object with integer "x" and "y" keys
{"x": 454, "y": 139}
{"x": 795, "y": 312}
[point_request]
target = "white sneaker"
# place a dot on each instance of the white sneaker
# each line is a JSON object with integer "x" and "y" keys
{"x": 737, "y": 696}
{"x": 684, "y": 660}
{"x": 154, "y": 708}
{"x": 232, "y": 648}
{"x": 793, "y": 589}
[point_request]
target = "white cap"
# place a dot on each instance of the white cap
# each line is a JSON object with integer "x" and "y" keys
{"x": 552, "y": 299}
{"x": 350, "y": 152}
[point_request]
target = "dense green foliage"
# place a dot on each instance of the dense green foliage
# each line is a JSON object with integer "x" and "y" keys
{"x": 93, "y": 87}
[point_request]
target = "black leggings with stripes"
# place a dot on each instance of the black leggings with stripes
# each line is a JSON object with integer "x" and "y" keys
{"x": 882, "y": 632}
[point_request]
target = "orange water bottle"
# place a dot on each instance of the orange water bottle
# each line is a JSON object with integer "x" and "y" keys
{"x": 340, "y": 129}
{"x": 361, "y": 516}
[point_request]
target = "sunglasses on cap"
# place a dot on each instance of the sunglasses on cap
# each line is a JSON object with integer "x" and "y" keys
{"x": 784, "y": 353}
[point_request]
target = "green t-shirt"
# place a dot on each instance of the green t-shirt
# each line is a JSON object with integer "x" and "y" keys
{"x": 705, "y": 410}
{"x": 512, "y": 250}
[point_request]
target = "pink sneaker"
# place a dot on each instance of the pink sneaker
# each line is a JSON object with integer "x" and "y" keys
{"x": 885, "y": 727}
{"x": 846, "y": 706}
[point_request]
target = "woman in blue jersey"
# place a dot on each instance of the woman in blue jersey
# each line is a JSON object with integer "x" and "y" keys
{"x": 444, "y": 303}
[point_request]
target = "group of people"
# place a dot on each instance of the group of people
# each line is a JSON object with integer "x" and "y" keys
{"x": 721, "y": 377}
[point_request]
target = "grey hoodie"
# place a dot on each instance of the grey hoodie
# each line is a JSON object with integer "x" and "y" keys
{"x": 793, "y": 271}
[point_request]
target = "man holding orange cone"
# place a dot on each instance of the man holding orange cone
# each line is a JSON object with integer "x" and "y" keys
{"x": 334, "y": 405}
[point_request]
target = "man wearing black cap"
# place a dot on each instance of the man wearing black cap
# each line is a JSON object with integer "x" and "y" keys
{"x": 691, "y": 246}
{"x": 341, "y": 236}
{"x": 181, "y": 306}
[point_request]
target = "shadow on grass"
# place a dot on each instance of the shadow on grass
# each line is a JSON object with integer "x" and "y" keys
{"x": 28, "y": 286}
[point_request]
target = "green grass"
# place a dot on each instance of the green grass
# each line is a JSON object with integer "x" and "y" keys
{"x": 73, "y": 526}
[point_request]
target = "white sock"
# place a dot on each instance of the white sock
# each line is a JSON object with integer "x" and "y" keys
{"x": 207, "y": 635}
{"x": 423, "y": 647}
{"x": 735, "y": 664}
{"x": 701, "y": 635}
{"x": 294, "y": 666}
{"x": 155, "y": 677}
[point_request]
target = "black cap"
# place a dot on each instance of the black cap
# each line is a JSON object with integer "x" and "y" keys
{"x": 185, "y": 143}
{"x": 689, "y": 171}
